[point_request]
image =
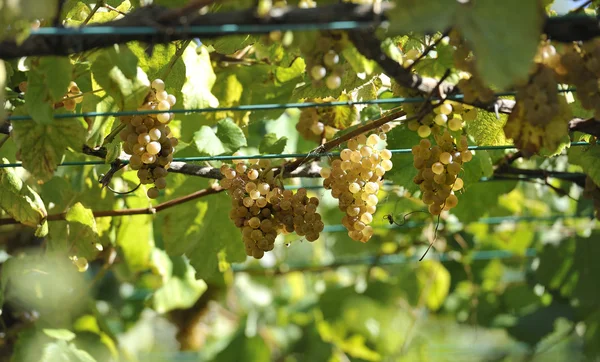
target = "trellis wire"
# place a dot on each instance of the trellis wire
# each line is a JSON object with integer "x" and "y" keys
{"x": 486, "y": 220}
{"x": 273, "y": 156}
{"x": 259, "y": 107}
{"x": 392, "y": 259}
{"x": 224, "y": 29}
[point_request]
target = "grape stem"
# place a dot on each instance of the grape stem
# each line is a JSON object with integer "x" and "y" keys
{"x": 393, "y": 115}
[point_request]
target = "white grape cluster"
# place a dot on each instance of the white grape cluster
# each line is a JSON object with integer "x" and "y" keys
{"x": 449, "y": 114}
{"x": 262, "y": 211}
{"x": 297, "y": 212}
{"x": 355, "y": 179}
{"x": 470, "y": 82}
{"x": 148, "y": 139}
{"x": 316, "y": 123}
{"x": 69, "y": 101}
{"x": 439, "y": 167}
{"x": 324, "y": 62}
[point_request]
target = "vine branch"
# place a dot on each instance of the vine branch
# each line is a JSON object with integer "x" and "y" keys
{"x": 139, "y": 211}
{"x": 574, "y": 27}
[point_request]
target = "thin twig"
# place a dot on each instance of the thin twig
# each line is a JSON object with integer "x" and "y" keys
{"x": 112, "y": 8}
{"x": 97, "y": 7}
{"x": 429, "y": 48}
{"x": 358, "y": 131}
{"x": 128, "y": 212}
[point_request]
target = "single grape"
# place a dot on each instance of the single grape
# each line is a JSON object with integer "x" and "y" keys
{"x": 386, "y": 165}
{"x": 158, "y": 85}
{"x": 440, "y": 119}
{"x": 318, "y": 72}
{"x": 333, "y": 81}
{"x": 331, "y": 58}
{"x": 455, "y": 124}
{"x": 445, "y": 158}
{"x": 458, "y": 184}
{"x": 152, "y": 193}
{"x": 437, "y": 168}
{"x": 153, "y": 148}
{"x": 424, "y": 131}
{"x": 445, "y": 108}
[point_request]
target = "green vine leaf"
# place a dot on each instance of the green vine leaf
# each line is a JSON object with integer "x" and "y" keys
{"x": 62, "y": 351}
{"x": 589, "y": 160}
{"x": 116, "y": 71}
{"x": 181, "y": 290}
{"x": 484, "y": 24}
{"x": 227, "y": 139}
{"x": 20, "y": 201}
{"x": 83, "y": 233}
{"x": 271, "y": 144}
{"x": 47, "y": 83}
{"x": 43, "y": 145}
{"x": 487, "y": 130}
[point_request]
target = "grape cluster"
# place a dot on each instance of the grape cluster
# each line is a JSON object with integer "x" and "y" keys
{"x": 592, "y": 191}
{"x": 317, "y": 123}
{"x": 540, "y": 116}
{"x": 148, "y": 139}
{"x": 323, "y": 60}
{"x": 354, "y": 179}
{"x": 580, "y": 66}
{"x": 297, "y": 212}
{"x": 262, "y": 210}
{"x": 449, "y": 114}
{"x": 438, "y": 170}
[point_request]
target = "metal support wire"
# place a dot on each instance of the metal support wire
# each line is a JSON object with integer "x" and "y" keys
{"x": 486, "y": 220}
{"x": 260, "y": 107}
{"x": 392, "y": 259}
{"x": 224, "y": 29}
{"x": 273, "y": 156}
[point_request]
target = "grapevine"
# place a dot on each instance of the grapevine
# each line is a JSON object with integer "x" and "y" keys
{"x": 355, "y": 179}
{"x": 439, "y": 167}
{"x": 323, "y": 60}
{"x": 540, "y": 116}
{"x": 148, "y": 140}
{"x": 262, "y": 210}
{"x": 321, "y": 123}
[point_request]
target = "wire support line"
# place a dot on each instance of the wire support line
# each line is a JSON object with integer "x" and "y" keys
{"x": 259, "y": 107}
{"x": 391, "y": 259}
{"x": 224, "y": 29}
{"x": 486, "y": 220}
{"x": 274, "y": 156}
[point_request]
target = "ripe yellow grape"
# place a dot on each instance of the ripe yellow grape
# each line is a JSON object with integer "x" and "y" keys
{"x": 424, "y": 131}
{"x": 437, "y": 168}
{"x": 153, "y": 148}
{"x": 353, "y": 187}
{"x": 445, "y": 158}
{"x": 451, "y": 201}
{"x": 440, "y": 119}
{"x": 455, "y": 124}
{"x": 445, "y": 108}
{"x": 458, "y": 184}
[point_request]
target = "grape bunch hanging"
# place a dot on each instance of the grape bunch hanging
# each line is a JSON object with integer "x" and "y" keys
{"x": 354, "y": 179}
{"x": 148, "y": 140}
{"x": 323, "y": 60}
{"x": 439, "y": 167}
{"x": 262, "y": 210}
